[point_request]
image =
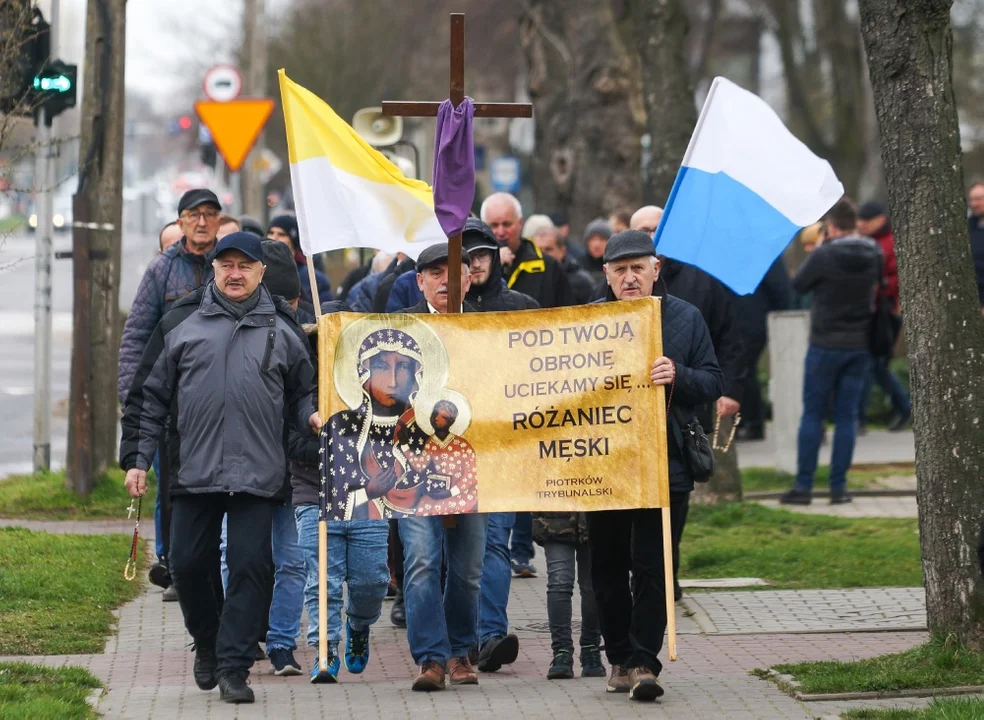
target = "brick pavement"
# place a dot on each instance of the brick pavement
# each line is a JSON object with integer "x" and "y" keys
{"x": 147, "y": 666}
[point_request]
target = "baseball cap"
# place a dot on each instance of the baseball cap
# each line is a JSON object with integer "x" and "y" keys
{"x": 245, "y": 242}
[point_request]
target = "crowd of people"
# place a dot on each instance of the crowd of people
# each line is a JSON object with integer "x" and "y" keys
{"x": 218, "y": 386}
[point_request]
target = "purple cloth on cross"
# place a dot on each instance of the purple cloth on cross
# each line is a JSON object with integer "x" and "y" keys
{"x": 454, "y": 165}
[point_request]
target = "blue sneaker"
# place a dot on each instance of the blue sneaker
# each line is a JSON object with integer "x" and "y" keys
{"x": 328, "y": 676}
{"x": 356, "y": 649}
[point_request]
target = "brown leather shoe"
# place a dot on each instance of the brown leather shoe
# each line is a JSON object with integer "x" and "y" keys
{"x": 643, "y": 685}
{"x": 431, "y": 678}
{"x": 461, "y": 672}
{"x": 618, "y": 681}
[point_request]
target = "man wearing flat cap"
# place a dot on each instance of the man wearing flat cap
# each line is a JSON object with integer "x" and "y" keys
{"x": 629, "y": 543}
{"x": 224, "y": 369}
{"x": 442, "y": 627}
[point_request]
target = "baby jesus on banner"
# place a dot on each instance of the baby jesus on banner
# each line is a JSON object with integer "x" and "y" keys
{"x": 445, "y": 464}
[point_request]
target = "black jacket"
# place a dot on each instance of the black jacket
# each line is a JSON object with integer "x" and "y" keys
{"x": 842, "y": 274}
{"x": 302, "y": 449}
{"x": 699, "y": 380}
{"x": 584, "y": 286}
{"x": 716, "y": 305}
{"x": 494, "y": 295}
{"x": 773, "y": 293}
{"x": 976, "y": 227}
{"x": 539, "y": 276}
{"x": 382, "y": 293}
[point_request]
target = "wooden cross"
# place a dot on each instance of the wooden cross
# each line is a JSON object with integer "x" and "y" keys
{"x": 482, "y": 109}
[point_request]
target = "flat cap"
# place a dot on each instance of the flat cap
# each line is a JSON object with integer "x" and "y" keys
{"x": 437, "y": 254}
{"x": 627, "y": 244}
{"x": 872, "y": 209}
{"x": 196, "y": 197}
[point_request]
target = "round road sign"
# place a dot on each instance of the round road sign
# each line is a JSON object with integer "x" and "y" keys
{"x": 223, "y": 83}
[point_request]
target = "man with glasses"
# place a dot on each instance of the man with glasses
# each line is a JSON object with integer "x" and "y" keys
{"x": 178, "y": 270}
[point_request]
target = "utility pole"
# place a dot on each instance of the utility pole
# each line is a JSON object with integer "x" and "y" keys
{"x": 255, "y": 55}
{"x": 97, "y": 242}
{"x": 44, "y": 177}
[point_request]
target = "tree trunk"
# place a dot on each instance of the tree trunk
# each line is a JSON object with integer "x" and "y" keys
{"x": 667, "y": 91}
{"x": 909, "y": 45}
{"x": 252, "y": 200}
{"x": 587, "y": 140}
{"x": 101, "y": 173}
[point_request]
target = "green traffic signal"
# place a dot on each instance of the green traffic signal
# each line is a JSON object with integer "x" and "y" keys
{"x": 57, "y": 83}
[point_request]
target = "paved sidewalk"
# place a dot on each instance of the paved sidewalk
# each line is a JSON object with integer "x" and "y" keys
{"x": 862, "y": 507}
{"x": 876, "y": 447}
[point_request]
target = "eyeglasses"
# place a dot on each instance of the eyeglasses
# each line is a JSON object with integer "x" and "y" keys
{"x": 196, "y": 215}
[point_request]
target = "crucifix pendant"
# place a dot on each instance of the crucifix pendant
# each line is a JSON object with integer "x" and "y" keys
{"x": 130, "y": 510}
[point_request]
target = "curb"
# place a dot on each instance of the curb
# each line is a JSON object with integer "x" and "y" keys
{"x": 789, "y": 685}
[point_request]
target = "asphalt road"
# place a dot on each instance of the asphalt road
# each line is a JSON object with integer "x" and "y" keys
{"x": 17, "y": 341}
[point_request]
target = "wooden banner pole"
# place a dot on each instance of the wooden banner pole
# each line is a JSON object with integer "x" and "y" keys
{"x": 322, "y": 523}
{"x": 668, "y": 581}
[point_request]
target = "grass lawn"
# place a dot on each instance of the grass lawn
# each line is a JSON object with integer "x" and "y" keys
{"x": 44, "y": 496}
{"x": 33, "y": 691}
{"x": 950, "y": 708}
{"x": 939, "y": 663}
{"x": 860, "y": 477}
{"x": 794, "y": 550}
{"x": 57, "y": 592}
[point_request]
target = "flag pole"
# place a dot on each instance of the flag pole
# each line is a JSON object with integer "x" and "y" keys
{"x": 322, "y": 517}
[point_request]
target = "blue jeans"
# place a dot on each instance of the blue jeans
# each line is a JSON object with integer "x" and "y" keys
{"x": 284, "y": 622}
{"x": 496, "y": 577}
{"x": 522, "y": 538}
{"x": 841, "y": 372}
{"x": 890, "y": 385}
{"x": 357, "y": 556}
{"x": 439, "y": 628}
{"x": 288, "y": 582}
{"x": 158, "y": 533}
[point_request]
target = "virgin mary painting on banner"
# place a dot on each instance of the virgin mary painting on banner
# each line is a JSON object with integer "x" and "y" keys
{"x": 397, "y": 450}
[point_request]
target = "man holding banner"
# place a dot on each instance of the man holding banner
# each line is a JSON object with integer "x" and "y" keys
{"x": 629, "y": 543}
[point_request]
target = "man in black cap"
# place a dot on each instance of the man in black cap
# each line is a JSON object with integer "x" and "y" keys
{"x": 442, "y": 626}
{"x": 180, "y": 269}
{"x": 488, "y": 290}
{"x": 223, "y": 370}
{"x": 629, "y": 543}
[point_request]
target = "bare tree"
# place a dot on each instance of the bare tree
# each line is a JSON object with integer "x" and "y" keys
{"x": 587, "y": 123}
{"x": 910, "y": 55}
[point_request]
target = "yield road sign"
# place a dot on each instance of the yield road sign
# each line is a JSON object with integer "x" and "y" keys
{"x": 222, "y": 83}
{"x": 235, "y": 126}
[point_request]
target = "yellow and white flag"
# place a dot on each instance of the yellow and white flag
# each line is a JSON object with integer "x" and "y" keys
{"x": 348, "y": 194}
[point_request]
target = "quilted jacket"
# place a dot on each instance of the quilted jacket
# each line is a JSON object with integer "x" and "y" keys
{"x": 699, "y": 380}
{"x": 173, "y": 274}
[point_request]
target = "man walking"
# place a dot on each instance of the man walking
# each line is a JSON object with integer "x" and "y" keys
{"x": 583, "y": 285}
{"x": 442, "y": 626}
{"x": 975, "y": 221}
{"x": 181, "y": 268}
{"x": 627, "y": 545}
{"x": 225, "y": 368}
{"x": 842, "y": 273}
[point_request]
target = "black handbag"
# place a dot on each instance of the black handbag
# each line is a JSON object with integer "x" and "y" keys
{"x": 698, "y": 455}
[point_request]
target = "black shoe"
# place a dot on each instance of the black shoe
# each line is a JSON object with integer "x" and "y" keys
{"x": 205, "y": 664}
{"x": 259, "y": 654}
{"x": 562, "y": 667}
{"x": 899, "y": 421}
{"x": 677, "y": 592}
{"x": 283, "y": 663}
{"x": 796, "y": 497}
{"x": 497, "y": 652}
{"x": 233, "y": 688}
{"x": 398, "y": 614}
{"x": 841, "y": 499}
{"x": 159, "y": 575}
{"x": 591, "y": 665}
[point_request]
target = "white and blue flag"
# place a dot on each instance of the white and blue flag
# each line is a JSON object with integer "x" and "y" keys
{"x": 745, "y": 188}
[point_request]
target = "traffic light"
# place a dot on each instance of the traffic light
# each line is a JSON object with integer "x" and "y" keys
{"x": 25, "y": 46}
{"x": 54, "y": 88}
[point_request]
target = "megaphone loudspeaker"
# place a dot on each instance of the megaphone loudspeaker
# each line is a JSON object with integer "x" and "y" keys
{"x": 377, "y": 129}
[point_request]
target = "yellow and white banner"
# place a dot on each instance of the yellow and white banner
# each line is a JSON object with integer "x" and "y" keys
{"x": 549, "y": 410}
{"x": 347, "y": 193}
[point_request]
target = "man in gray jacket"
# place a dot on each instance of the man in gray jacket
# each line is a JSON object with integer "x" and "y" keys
{"x": 226, "y": 366}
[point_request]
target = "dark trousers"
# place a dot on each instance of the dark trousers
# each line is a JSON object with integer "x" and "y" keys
{"x": 196, "y": 526}
{"x": 752, "y": 409}
{"x": 562, "y": 561}
{"x": 396, "y": 553}
{"x": 679, "y": 509}
{"x": 627, "y": 571}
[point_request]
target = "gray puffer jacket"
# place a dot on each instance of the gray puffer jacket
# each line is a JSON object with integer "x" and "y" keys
{"x": 171, "y": 276}
{"x": 225, "y": 385}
